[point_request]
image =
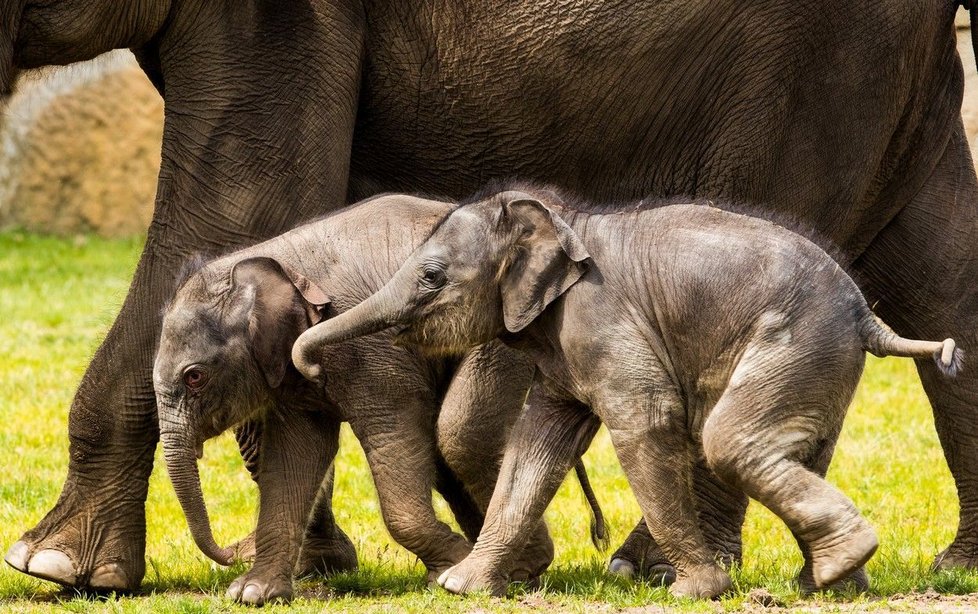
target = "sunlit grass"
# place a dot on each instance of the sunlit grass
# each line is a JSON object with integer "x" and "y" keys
{"x": 57, "y": 298}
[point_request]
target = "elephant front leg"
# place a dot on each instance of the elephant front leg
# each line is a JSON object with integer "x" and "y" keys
{"x": 478, "y": 412}
{"x": 548, "y": 438}
{"x": 400, "y": 450}
{"x": 326, "y": 549}
{"x": 95, "y": 536}
{"x": 297, "y": 450}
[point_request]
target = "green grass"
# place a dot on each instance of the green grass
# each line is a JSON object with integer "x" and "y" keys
{"x": 57, "y": 298}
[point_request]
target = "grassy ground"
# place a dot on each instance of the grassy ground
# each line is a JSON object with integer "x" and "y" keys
{"x": 58, "y": 297}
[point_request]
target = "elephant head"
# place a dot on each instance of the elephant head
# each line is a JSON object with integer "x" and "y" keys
{"x": 223, "y": 350}
{"x": 490, "y": 267}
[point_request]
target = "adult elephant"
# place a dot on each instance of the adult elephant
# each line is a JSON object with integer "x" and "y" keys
{"x": 843, "y": 116}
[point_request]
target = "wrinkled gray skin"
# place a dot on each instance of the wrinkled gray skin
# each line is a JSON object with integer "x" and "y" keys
{"x": 688, "y": 331}
{"x": 224, "y": 359}
{"x": 841, "y": 116}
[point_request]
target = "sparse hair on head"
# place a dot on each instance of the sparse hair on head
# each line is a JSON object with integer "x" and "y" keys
{"x": 579, "y": 204}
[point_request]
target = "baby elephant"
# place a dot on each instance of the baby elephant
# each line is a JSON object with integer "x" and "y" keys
{"x": 690, "y": 332}
{"x": 423, "y": 421}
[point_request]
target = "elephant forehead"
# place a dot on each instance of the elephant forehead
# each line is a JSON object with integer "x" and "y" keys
{"x": 466, "y": 228}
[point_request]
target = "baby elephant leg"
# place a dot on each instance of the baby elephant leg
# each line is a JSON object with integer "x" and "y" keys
{"x": 482, "y": 404}
{"x": 548, "y": 437}
{"x": 326, "y": 549}
{"x": 400, "y": 450}
{"x": 297, "y": 449}
{"x": 720, "y": 508}
{"x": 758, "y": 437}
{"x": 656, "y": 453}
{"x": 858, "y": 580}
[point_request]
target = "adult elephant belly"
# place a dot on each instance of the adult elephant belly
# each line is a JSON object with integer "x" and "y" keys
{"x": 772, "y": 104}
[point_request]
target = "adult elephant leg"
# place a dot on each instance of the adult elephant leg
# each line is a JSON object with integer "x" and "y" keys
{"x": 480, "y": 408}
{"x": 920, "y": 272}
{"x": 326, "y": 549}
{"x": 95, "y": 535}
{"x": 232, "y": 107}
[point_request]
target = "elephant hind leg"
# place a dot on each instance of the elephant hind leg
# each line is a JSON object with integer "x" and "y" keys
{"x": 720, "y": 508}
{"x": 761, "y": 435}
{"x": 919, "y": 273}
{"x": 858, "y": 580}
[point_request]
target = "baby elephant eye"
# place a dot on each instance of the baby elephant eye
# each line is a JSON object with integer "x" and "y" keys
{"x": 433, "y": 278}
{"x": 194, "y": 378}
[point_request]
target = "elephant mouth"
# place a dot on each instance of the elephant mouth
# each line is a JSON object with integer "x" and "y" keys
{"x": 199, "y": 450}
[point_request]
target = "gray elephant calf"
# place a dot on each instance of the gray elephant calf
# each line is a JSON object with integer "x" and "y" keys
{"x": 690, "y": 332}
{"x": 224, "y": 359}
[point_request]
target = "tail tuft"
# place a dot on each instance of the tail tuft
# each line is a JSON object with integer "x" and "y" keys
{"x": 950, "y": 359}
{"x": 599, "y": 534}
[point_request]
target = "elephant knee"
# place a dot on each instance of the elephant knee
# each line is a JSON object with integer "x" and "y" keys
{"x": 724, "y": 457}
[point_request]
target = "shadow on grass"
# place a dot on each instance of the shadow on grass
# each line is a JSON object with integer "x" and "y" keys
{"x": 588, "y": 582}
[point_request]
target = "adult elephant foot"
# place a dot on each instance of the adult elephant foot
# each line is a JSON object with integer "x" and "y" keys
{"x": 93, "y": 539}
{"x": 959, "y": 555}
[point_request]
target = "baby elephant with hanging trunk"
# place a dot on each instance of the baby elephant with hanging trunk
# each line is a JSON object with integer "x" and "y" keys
{"x": 690, "y": 332}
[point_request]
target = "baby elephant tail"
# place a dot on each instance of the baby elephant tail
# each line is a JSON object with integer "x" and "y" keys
{"x": 599, "y": 532}
{"x": 879, "y": 340}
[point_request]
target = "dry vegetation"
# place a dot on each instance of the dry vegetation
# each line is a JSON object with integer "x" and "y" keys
{"x": 80, "y": 150}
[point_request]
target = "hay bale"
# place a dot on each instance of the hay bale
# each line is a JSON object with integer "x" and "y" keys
{"x": 80, "y": 150}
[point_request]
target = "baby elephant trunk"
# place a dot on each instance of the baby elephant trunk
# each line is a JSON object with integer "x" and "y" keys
{"x": 181, "y": 464}
{"x": 378, "y": 312}
{"x": 880, "y": 341}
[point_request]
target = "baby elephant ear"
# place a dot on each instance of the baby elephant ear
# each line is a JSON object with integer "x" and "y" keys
{"x": 279, "y": 304}
{"x": 551, "y": 260}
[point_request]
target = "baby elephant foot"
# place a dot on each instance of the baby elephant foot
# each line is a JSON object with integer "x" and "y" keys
{"x": 639, "y": 557}
{"x": 856, "y": 582}
{"x": 325, "y": 556}
{"x": 258, "y": 589}
{"x": 701, "y": 582}
{"x": 836, "y": 557}
{"x": 471, "y": 576}
{"x": 658, "y": 573}
{"x": 533, "y": 561}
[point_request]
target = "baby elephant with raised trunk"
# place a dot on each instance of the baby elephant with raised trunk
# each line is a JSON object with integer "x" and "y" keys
{"x": 690, "y": 332}
{"x": 423, "y": 421}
